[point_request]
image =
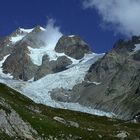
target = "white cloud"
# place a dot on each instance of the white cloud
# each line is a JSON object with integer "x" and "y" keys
{"x": 51, "y": 35}
{"x": 124, "y": 15}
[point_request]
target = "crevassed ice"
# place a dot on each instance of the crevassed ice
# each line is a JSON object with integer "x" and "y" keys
{"x": 39, "y": 90}
{"x": 36, "y": 55}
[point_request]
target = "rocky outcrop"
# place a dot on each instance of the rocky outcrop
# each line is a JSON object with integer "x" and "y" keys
{"x": 33, "y": 38}
{"x": 13, "y": 125}
{"x": 119, "y": 74}
{"x": 6, "y": 45}
{"x": 73, "y": 46}
{"x": 63, "y": 121}
{"x": 19, "y": 63}
{"x": 54, "y": 66}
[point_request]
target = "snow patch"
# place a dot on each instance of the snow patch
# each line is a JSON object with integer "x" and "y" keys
{"x": 71, "y": 36}
{"x": 36, "y": 54}
{"x": 43, "y": 29}
{"x": 137, "y": 47}
{"x": 20, "y": 36}
{"x": 31, "y": 80}
{"x": 3, "y": 75}
{"x": 17, "y": 38}
{"x": 96, "y": 83}
{"x": 26, "y": 30}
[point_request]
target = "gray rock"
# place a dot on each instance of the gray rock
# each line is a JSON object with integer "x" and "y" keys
{"x": 12, "y": 125}
{"x": 61, "y": 95}
{"x": 74, "y": 47}
{"x": 19, "y": 63}
{"x": 6, "y": 46}
{"x": 66, "y": 122}
{"x": 122, "y": 135}
{"x": 33, "y": 38}
{"x": 59, "y": 119}
{"x": 74, "y": 124}
{"x": 54, "y": 66}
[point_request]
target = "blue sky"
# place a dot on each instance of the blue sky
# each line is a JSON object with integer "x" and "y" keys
{"x": 70, "y": 15}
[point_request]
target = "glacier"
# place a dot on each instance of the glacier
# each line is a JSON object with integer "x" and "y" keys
{"x": 39, "y": 91}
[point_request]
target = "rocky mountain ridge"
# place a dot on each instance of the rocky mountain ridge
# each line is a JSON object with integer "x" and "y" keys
{"x": 69, "y": 75}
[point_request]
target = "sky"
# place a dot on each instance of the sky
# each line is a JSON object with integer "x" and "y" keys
{"x": 100, "y": 23}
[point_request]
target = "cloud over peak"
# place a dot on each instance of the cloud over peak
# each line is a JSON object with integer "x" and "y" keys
{"x": 124, "y": 15}
{"x": 51, "y": 35}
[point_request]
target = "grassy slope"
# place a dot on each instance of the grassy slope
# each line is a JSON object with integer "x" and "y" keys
{"x": 42, "y": 120}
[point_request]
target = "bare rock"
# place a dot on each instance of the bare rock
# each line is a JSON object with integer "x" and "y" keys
{"x": 54, "y": 66}
{"x": 13, "y": 125}
{"x": 122, "y": 135}
{"x": 74, "y": 47}
{"x": 19, "y": 63}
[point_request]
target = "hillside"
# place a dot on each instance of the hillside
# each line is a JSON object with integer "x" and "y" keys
{"x": 21, "y": 118}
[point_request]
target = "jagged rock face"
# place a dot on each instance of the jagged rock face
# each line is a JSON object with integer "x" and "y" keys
{"x": 33, "y": 38}
{"x": 13, "y": 125}
{"x": 19, "y": 63}
{"x": 24, "y": 68}
{"x": 119, "y": 75}
{"x": 72, "y": 46}
{"x": 54, "y": 66}
{"x": 111, "y": 84}
{"x": 4, "y": 51}
{"x": 4, "y": 47}
{"x": 18, "y": 45}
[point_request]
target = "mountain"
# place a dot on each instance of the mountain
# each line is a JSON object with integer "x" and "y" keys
{"x": 112, "y": 83}
{"x": 62, "y": 72}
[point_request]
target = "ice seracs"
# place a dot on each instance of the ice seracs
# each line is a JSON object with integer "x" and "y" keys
{"x": 39, "y": 91}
